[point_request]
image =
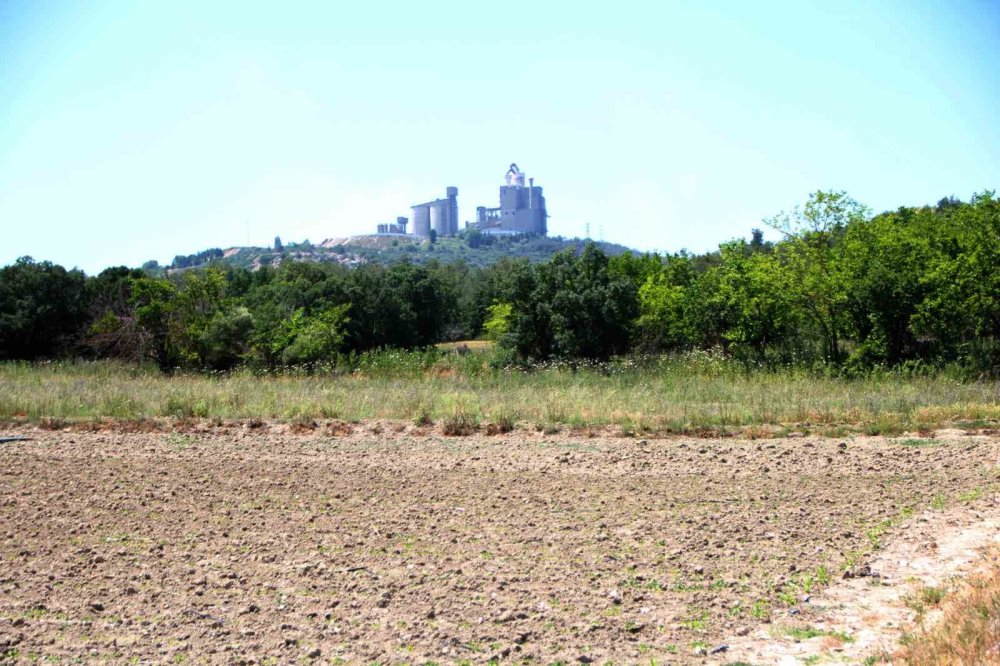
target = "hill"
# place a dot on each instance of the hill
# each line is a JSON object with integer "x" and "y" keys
{"x": 472, "y": 248}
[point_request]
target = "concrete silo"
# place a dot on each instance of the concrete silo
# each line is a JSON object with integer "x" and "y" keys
{"x": 421, "y": 220}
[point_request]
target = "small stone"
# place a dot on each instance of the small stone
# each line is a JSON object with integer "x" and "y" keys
{"x": 314, "y": 653}
{"x": 96, "y": 605}
{"x": 615, "y": 596}
{"x": 742, "y": 631}
{"x": 718, "y": 649}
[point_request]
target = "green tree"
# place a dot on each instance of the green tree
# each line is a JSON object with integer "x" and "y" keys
{"x": 43, "y": 309}
{"x": 304, "y": 339}
{"x": 571, "y": 307}
{"x": 498, "y": 320}
{"x": 961, "y": 310}
{"x": 811, "y": 252}
{"x": 153, "y": 306}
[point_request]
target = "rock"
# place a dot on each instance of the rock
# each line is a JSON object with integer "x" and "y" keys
{"x": 699, "y": 651}
{"x": 584, "y": 659}
{"x": 743, "y": 631}
{"x": 859, "y": 571}
{"x": 615, "y": 596}
{"x": 314, "y": 653}
{"x": 719, "y": 649}
{"x": 96, "y": 605}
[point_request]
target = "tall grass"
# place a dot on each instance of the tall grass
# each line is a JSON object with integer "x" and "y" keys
{"x": 675, "y": 394}
{"x": 967, "y": 631}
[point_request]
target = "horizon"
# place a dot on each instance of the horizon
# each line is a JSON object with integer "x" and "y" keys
{"x": 144, "y": 132}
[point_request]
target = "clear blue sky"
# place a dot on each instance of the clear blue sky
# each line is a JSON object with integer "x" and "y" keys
{"x": 140, "y": 130}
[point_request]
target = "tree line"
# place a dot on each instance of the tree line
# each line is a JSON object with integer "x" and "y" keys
{"x": 841, "y": 288}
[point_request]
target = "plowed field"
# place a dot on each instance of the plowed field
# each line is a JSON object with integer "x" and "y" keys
{"x": 390, "y": 543}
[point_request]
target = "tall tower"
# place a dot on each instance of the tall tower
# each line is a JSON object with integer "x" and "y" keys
{"x": 452, "y": 194}
{"x": 522, "y": 207}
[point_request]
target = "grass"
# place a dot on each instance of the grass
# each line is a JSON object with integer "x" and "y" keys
{"x": 695, "y": 394}
{"x": 967, "y": 632}
{"x": 805, "y": 633}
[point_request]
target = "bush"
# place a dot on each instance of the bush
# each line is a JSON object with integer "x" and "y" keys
{"x": 460, "y": 424}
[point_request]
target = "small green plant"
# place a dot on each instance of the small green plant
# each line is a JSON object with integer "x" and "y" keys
{"x": 805, "y": 633}
{"x": 698, "y": 622}
{"x": 760, "y": 610}
{"x": 972, "y": 495}
{"x": 914, "y": 442}
{"x": 932, "y": 595}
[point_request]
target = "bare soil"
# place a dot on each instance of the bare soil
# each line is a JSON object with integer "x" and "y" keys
{"x": 390, "y": 543}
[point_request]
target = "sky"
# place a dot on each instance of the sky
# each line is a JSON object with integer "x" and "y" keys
{"x": 132, "y": 131}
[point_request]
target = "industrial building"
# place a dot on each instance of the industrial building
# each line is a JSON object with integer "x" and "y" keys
{"x": 398, "y": 228}
{"x": 521, "y": 211}
{"x": 441, "y": 215}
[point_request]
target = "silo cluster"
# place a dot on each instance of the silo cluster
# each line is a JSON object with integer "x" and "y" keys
{"x": 441, "y": 215}
{"x": 521, "y": 211}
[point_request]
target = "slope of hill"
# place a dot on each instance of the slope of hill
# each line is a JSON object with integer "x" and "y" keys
{"x": 355, "y": 250}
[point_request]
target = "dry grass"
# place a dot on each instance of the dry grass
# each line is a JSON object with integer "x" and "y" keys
{"x": 681, "y": 396}
{"x": 968, "y": 629}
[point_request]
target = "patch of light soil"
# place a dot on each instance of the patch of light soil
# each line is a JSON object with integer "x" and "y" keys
{"x": 934, "y": 549}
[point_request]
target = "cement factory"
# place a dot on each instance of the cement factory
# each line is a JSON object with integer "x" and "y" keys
{"x": 521, "y": 211}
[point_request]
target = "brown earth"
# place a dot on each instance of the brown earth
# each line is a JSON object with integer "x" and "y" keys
{"x": 391, "y": 543}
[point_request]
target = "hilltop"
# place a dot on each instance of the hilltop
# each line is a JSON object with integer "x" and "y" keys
{"x": 471, "y": 247}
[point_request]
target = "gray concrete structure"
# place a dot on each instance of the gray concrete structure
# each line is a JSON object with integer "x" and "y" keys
{"x": 441, "y": 215}
{"x": 521, "y": 210}
{"x": 398, "y": 228}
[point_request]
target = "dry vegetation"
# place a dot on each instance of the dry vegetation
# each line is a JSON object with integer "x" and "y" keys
{"x": 695, "y": 395}
{"x": 966, "y": 629}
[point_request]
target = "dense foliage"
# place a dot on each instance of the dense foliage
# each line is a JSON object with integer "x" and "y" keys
{"x": 842, "y": 289}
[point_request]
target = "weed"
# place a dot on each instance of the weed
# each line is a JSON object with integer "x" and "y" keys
{"x": 932, "y": 595}
{"x": 972, "y": 495}
{"x": 503, "y": 422}
{"x": 698, "y": 622}
{"x": 760, "y": 610}
{"x": 460, "y": 424}
{"x": 805, "y": 633}
{"x": 916, "y": 442}
{"x": 669, "y": 394}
